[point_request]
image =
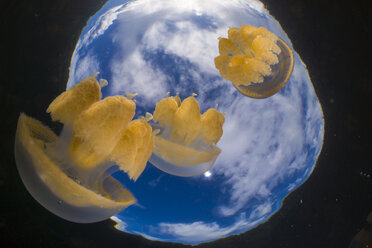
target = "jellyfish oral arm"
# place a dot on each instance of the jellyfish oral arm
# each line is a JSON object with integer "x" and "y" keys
{"x": 186, "y": 141}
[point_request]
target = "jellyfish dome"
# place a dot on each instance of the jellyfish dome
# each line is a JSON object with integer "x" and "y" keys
{"x": 70, "y": 175}
{"x": 256, "y": 61}
{"x": 186, "y": 142}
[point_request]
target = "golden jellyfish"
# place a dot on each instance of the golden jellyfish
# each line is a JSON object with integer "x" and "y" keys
{"x": 185, "y": 144}
{"x": 71, "y": 175}
{"x": 256, "y": 61}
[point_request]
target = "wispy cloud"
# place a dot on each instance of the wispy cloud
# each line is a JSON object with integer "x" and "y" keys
{"x": 156, "y": 181}
{"x": 86, "y": 67}
{"x": 182, "y": 39}
{"x": 149, "y": 237}
{"x": 201, "y": 231}
{"x": 134, "y": 74}
{"x": 102, "y": 24}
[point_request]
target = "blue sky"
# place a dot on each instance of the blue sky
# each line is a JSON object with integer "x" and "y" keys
{"x": 269, "y": 147}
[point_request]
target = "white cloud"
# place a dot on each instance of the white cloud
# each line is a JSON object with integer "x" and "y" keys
{"x": 187, "y": 41}
{"x": 120, "y": 225}
{"x": 291, "y": 187}
{"x": 102, "y": 24}
{"x": 200, "y": 231}
{"x": 263, "y": 143}
{"x": 261, "y": 210}
{"x": 146, "y": 236}
{"x": 86, "y": 67}
{"x": 155, "y": 182}
{"x": 134, "y": 74}
{"x": 197, "y": 231}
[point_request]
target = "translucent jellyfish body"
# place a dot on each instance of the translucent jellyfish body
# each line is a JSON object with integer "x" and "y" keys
{"x": 70, "y": 175}
{"x": 186, "y": 142}
{"x": 256, "y": 61}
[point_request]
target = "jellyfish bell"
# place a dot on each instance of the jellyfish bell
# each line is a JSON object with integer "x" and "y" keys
{"x": 70, "y": 175}
{"x": 185, "y": 144}
{"x": 256, "y": 61}
{"x": 53, "y": 188}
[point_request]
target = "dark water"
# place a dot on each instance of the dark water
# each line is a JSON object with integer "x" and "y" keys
{"x": 332, "y": 37}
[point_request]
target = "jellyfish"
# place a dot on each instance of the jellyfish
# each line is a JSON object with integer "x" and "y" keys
{"x": 71, "y": 174}
{"x": 185, "y": 144}
{"x": 256, "y": 61}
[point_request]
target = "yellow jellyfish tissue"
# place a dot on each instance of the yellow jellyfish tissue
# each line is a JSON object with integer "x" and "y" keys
{"x": 70, "y": 175}
{"x": 256, "y": 61}
{"x": 186, "y": 141}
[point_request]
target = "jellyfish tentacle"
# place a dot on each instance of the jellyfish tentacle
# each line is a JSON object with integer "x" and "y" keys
{"x": 103, "y": 83}
{"x": 130, "y": 96}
